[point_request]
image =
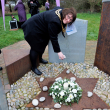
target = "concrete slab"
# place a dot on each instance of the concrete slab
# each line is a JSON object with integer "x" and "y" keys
{"x": 3, "y": 101}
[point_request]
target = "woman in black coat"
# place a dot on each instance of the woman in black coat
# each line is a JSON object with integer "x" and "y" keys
{"x": 45, "y": 26}
{"x": 34, "y": 7}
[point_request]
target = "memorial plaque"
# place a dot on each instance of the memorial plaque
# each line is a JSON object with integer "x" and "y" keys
{"x": 72, "y": 46}
{"x": 102, "y": 57}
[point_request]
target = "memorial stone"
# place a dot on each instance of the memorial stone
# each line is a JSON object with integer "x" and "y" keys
{"x": 72, "y": 46}
{"x": 102, "y": 57}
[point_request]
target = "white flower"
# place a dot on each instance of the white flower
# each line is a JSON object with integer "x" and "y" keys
{"x": 61, "y": 97}
{"x": 68, "y": 99}
{"x": 50, "y": 93}
{"x": 58, "y": 79}
{"x": 69, "y": 89}
{"x": 75, "y": 95}
{"x": 65, "y": 85}
{"x": 71, "y": 96}
{"x": 55, "y": 93}
{"x": 74, "y": 91}
{"x": 60, "y": 103}
{"x": 72, "y": 84}
{"x": 73, "y": 79}
{"x": 60, "y": 84}
{"x": 64, "y": 80}
{"x": 59, "y": 89}
{"x": 52, "y": 86}
{"x": 56, "y": 87}
{"x": 53, "y": 96}
{"x": 62, "y": 93}
{"x": 69, "y": 82}
{"x": 79, "y": 88}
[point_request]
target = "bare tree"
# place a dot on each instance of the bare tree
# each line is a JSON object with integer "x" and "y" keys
{"x": 93, "y": 3}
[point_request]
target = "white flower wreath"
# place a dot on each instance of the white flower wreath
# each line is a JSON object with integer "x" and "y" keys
{"x": 65, "y": 91}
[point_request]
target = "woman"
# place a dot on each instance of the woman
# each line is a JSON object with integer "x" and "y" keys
{"x": 47, "y": 5}
{"x": 34, "y": 7}
{"x": 21, "y": 12}
{"x": 42, "y": 27}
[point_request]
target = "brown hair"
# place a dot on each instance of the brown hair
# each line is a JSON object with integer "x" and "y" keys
{"x": 66, "y": 11}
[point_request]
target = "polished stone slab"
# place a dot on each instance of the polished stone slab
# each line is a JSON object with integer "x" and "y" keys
{"x": 72, "y": 46}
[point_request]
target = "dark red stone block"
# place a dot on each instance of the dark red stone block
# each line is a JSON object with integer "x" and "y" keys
{"x": 102, "y": 57}
{"x": 17, "y": 63}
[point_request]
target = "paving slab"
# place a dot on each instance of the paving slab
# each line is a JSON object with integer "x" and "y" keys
{"x": 3, "y": 101}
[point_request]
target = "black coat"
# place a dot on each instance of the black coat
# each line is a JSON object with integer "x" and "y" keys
{"x": 33, "y": 7}
{"x": 41, "y": 28}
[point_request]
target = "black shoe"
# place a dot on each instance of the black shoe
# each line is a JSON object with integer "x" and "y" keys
{"x": 36, "y": 71}
{"x": 1, "y": 68}
{"x": 43, "y": 61}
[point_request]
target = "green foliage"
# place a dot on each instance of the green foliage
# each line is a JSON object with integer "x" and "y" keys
{"x": 93, "y": 3}
{"x": 10, "y": 37}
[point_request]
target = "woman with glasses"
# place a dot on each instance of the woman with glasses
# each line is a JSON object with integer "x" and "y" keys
{"x": 45, "y": 26}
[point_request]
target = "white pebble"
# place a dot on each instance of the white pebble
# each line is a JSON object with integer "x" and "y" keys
{"x": 41, "y": 99}
{"x": 57, "y": 105}
{"x": 41, "y": 79}
{"x": 45, "y": 88}
{"x": 89, "y": 94}
{"x": 35, "y": 102}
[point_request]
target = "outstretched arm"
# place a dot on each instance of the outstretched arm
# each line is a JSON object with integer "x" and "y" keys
{"x": 53, "y": 33}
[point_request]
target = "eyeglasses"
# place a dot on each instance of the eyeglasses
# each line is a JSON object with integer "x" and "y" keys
{"x": 70, "y": 17}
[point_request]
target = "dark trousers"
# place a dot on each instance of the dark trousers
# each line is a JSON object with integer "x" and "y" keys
{"x": 47, "y": 9}
{"x": 19, "y": 24}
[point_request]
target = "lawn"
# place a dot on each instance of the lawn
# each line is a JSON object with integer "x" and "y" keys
{"x": 93, "y": 24}
{"x": 10, "y": 37}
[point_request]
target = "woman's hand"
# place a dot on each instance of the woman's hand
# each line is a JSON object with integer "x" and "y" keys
{"x": 61, "y": 55}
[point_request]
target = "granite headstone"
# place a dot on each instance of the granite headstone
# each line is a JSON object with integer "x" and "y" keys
{"x": 72, "y": 46}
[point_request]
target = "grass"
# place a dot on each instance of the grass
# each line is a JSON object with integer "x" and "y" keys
{"x": 93, "y": 24}
{"x": 10, "y": 37}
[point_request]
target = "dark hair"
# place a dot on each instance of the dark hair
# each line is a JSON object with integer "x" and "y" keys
{"x": 66, "y": 11}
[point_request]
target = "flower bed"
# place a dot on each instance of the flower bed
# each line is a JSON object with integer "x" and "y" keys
{"x": 65, "y": 91}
